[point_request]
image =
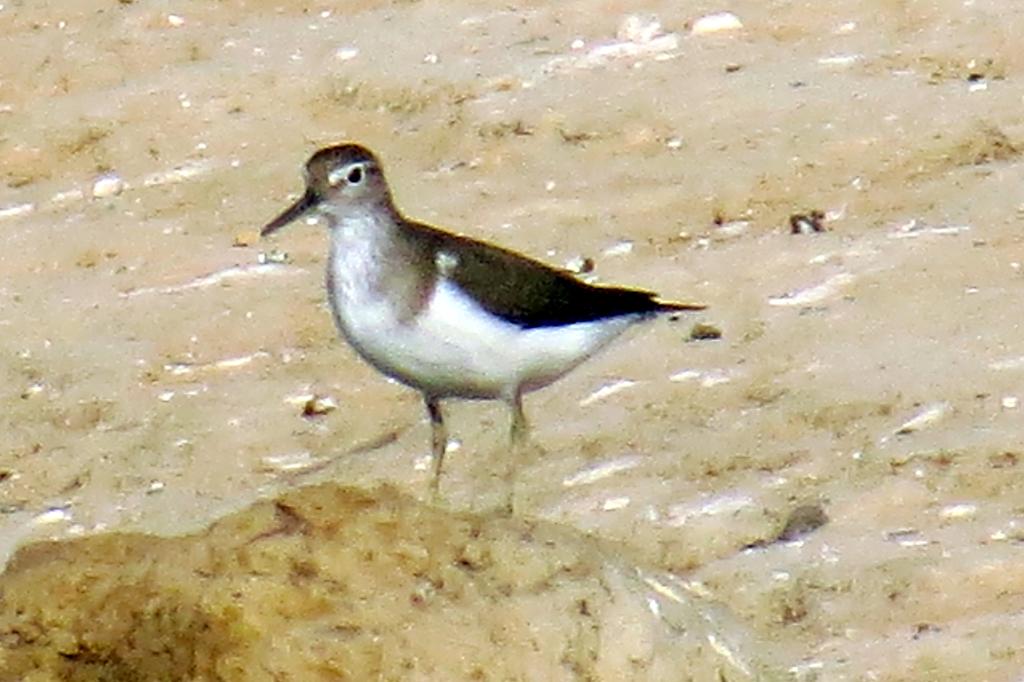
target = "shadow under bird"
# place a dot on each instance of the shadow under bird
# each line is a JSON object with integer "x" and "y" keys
{"x": 450, "y": 316}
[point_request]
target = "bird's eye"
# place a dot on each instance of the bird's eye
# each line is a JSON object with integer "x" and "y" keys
{"x": 355, "y": 175}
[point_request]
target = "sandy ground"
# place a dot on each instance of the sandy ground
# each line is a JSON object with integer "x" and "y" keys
{"x": 155, "y": 358}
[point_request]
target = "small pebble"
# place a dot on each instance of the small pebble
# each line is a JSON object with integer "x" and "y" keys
{"x": 275, "y": 256}
{"x": 319, "y": 405}
{"x": 807, "y": 223}
{"x": 705, "y": 332}
{"x": 52, "y": 516}
{"x": 175, "y": 20}
{"x": 343, "y": 54}
{"x": 107, "y": 185}
{"x": 716, "y": 23}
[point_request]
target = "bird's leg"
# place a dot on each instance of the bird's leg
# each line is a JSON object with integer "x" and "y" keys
{"x": 519, "y": 435}
{"x": 438, "y": 442}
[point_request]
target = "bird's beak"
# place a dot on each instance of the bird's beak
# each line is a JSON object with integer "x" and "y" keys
{"x": 303, "y": 205}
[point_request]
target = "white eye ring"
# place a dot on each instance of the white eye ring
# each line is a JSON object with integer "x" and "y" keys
{"x": 351, "y": 174}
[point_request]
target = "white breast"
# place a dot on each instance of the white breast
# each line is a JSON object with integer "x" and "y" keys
{"x": 453, "y": 347}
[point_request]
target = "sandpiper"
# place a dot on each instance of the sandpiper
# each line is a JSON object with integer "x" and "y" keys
{"x": 450, "y": 316}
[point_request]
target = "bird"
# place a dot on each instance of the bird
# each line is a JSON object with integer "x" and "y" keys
{"x": 448, "y": 315}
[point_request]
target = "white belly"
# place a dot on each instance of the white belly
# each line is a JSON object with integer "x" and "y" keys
{"x": 453, "y": 347}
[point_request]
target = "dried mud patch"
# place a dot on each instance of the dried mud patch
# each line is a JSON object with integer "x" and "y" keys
{"x": 330, "y": 583}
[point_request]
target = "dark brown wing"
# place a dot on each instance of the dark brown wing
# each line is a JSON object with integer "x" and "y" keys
{"x": 529, "y": 293}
